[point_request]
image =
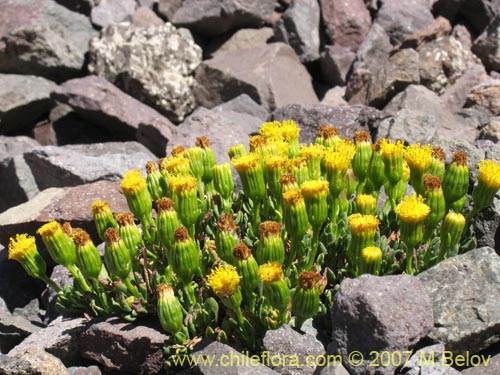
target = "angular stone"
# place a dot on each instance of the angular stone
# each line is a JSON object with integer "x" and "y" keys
{"x": 401, "y": 18}
{"x": 438, "y": 28}
{"x": 418, "y": 115}
{"x": 144, "y": 17}
{"x": 487, "y": 95}
{"x": 60, "y": 338}
{"x": 486, "y": 225}
{"x": 241, "y": 39}
{"x": 221, "y": 354}
{"x": 286, "y": 342}
{"x": 490, "y": 368}
{"x": 491, "y": 131}
{"x": 155, "y": 65}
{"x": 73, "y": 165}
{"x": 13, "y": 330}
{"x": 390, "y": 313}
{"x": 357, "y": 87}
{"x": 334, "y": 97}
{"x": 168, "y": 8}
{"x": 346, "y": 21}
{"x": 225, "y": 125}
{"x": 34, "y": 361}
{"x": 108, "y": 12}
{"x": 99, "y": 102}
{"x": 464, "y": 291}
{"x": 71, "y": 204}
{"x": 486, "y": 46}
{"x": 463, "y": 35}
{"x": 398, "y": 72}
{"x": 210, "y": 18}
{"x": 478, "y": 13}
{"x": 299, "y": 27}
{"x": 43, "y": 38}
{"x": 62, "y": 277}
{"x": 24, "y": 100}
{"x": 91, "y": 370}
{"x": 455, "y": 96}
{"x": 348, "y": 119}
{"x": 122, "y": 346}
{"x": 374, "y": 50}
{"x": 270, "y": 75}
{"x": 442, "y": 62}
{"x": 336, "y": 61}
{"x": 429, "y": 361}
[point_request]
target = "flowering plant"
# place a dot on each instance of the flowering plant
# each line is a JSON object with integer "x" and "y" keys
{"x": 229, "y": 265}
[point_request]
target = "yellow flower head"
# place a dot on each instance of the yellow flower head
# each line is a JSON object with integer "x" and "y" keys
{"x": 271, "y": 130}
{"x": 133, "y": 182}
{"x": 296, "y": 163}
{"x": 363, "y": 223}
{"x": 366, "y": 200}
{"x": 275, "y": 162}
{"x": 224, "y": 280}
{"x": 418, "y": 157}
{"x": 412, "y": 209}
{"x": 21, "y": 246}
{"x": 455, "y": 218}
{"x": 293, "y": 197}
{"x": 406, "y": 171}
{"x": 182, "y": 183}
{"x": 346, "y": 147}
{"x": 270, "y": 272}
{"x": 337, "y": 161}
{"x": 246, "y": 162}
{"x": 312, "y": 151}
{"x": 290, "y": 130}
{"x": 49, "y": 229}
{"x": 314, "y": 188}
{"x": 371, "y": 254}
{"x": 327, "y": 132}
{"x": 177, "y": 150}
{"x": 151, "y": 168}
{"x": 100, "y": 207}
{"x": 489, "y": 173}
{"x": 175, "y": 165}
{"x": 256, "y": 142}
{"x": 277, "y": 147}
{"x": 391, "y": 150}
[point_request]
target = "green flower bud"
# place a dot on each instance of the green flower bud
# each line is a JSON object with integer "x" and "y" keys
{"x": 451, "y": 231}
{"x": 185, "y": 256}
{"x": 437, "y": 167}
{"x": 315, "y": 195}
{"x": 274, "y": 167}
{"x": 226, "y": 238}
{"x": 208, "y": 158}
{"x": 88, "y": 258}
{"x": 305, "y": 300}
{"x": 59, "y": 245}
{"x": 270, "y": 248}
{"x": 314, "y": 155}
{"x": 236, "y": 151}
{"x": 251, "y": 175}
{"x": 129, "y": 232}
{"x": 433, "y": 194}
{"x": 327, "y": 134}
{"x": 351, "y": 184}
{"x": 336, "y": 165}
{"x": 366, "y": 204}
{"x": 116, "y": 255}
{"x": 223, "y": 180}
{"x": 169, "y": 309}
{"x": 295, "y": 213}
{"x": 196, "y": 165}
{"x": 376, "y": 168}
{"x": 392, "y": 155}
{"x": 247, "y": 267}
{"x": 154, "y": 181}
{"x": 419, "y": 159}
{"x": 136, "y": 192}
{"x": 456, "y": 178}
{"x": 298, "y": 167}
{"x": 103, "y": 218}
{"x": 288, "y": 182}
{"x": 488, "y": 184}
{"x": 370, "y": 260}
{"x": 361, "y": 159}
{"x": 274, "y": 286}
{"x": 185, "y": 197}
{"x": 363, "y": 230}
{"x": 166, "y": 223}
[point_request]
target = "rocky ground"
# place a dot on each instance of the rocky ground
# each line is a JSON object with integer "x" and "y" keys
{"x": 90, "y": 89}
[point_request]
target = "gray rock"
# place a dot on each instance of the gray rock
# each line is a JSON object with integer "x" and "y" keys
{"x": 444, "y": 61}
{"x": 73, "y": 165}
{"x": 346, "y": 21}
{"x": 492, "y": 130}
{"x": 429, "y": 361}
{"x": 33, "y": 361}
{"x": 241, "y": 39}
{"x": 336, "y": 61}
{"x": 91, "y": 370}
{"x": 168, "y": 8}
{"x": 122, "y": 346}
{"x": 271, "y": 75}
{"x": 226, "y": 125}
{"x": 24, "y": 100}
{"x": 487, "y": 95}
{"x": 99, "y": 102}
{"x": 374, "y": 50}
{"x": 60, "y": 338}
{"x": 43, "y": 38}
{"x": 455, "y": 96}
{"x": 486, "y": 45}
{"x": 14, "y": 146}
{"x": 358, "y": 85}
{"x": 401, "y": 18}
{"x": 334, "y": 97}
{"x": 108, "y": 12}
{"x": 13, "y": 330}
{"x": 299, "y": 27}
{"x": 486, "y": 226}
{"x": 285, "y": 341}
{"x": 474, "y": 154}
{"x": 437, "y": 29}
{"x": 241, "y": 364}
{"x": 420, "y": 116}
{"x": 144, "y": 17}
{"x": 390, "y": 313}
{"x": 80, "y": 6}
{"x": 462, "y": 34}
{"x": 210, "y": 18}
{"x": 490, "y": 368}
{"x": 155, "y": 65}
{"x": 62, "y": 277}
{"x": 71, "y": 204}
{"x": 348, "y": 119}
{"x": 464, "y": 291}
{"x": 398, "y": 72}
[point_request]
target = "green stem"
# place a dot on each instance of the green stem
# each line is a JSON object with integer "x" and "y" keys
{"x": 189, "y": 296}
{"x": 50, "y": 283}
{"x": 78, "y": 277}
{"x": 131, "y": 288}
{"x": 314, "y": 249}
{"x": 101, "y": 294}
{"x": 256, "y": 216}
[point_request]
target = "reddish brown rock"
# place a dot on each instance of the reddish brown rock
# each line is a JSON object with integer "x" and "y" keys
{"x": 434, "y": 30}
{"x": 487, "y": 95}
{"x": 347, "y": 21}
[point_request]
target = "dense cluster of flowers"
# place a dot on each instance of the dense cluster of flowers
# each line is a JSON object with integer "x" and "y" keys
{"x": 213, "y": 262}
